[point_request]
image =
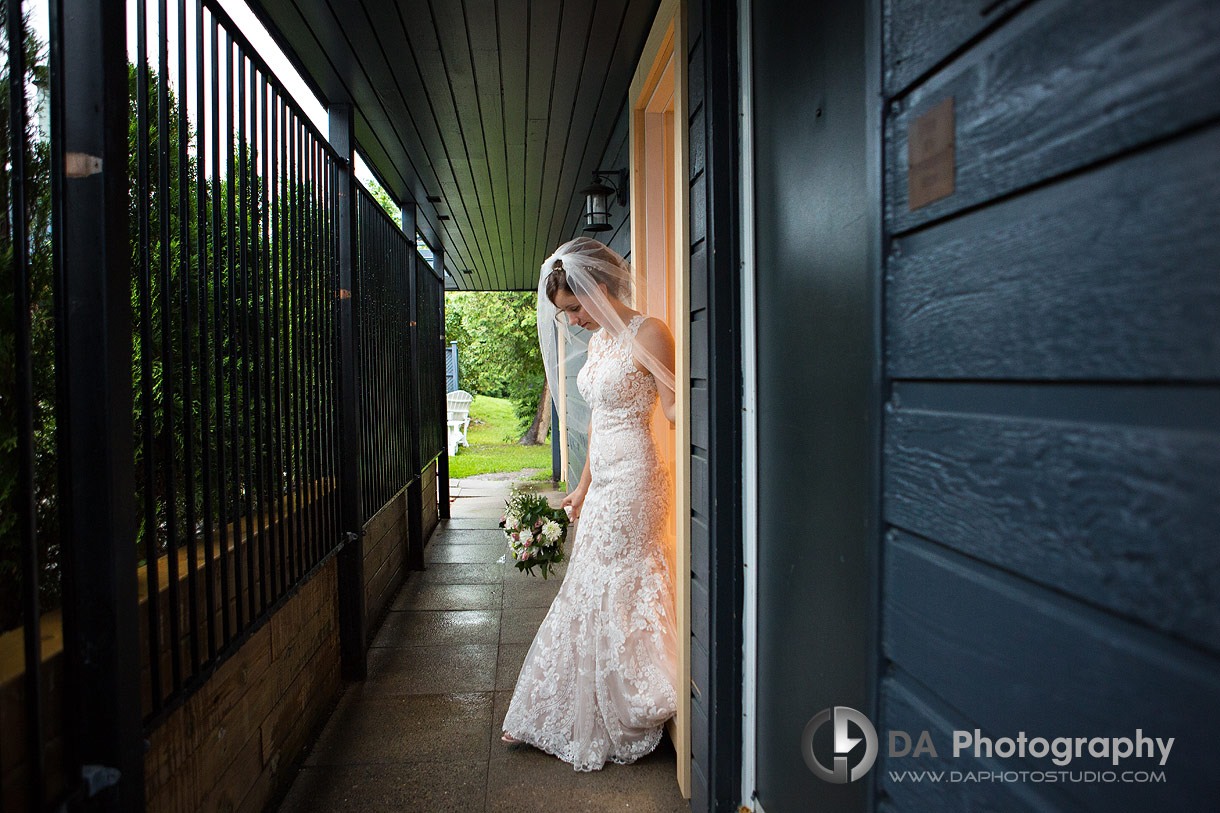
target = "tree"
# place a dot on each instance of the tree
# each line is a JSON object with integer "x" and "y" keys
{"x": 37, "y": 217}
{"x": 498, "y": 354}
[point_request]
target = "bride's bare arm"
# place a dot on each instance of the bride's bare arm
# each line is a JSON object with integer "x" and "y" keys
{"x": 655, "y": 338}
{"x": 576, "y": 497}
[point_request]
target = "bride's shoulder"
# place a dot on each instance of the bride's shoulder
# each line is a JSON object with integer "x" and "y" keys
{"x": 653, "y": 332}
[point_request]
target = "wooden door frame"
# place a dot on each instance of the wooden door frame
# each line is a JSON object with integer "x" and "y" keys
{"x": 667, "y": 44}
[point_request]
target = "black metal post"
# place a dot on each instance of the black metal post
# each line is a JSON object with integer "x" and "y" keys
{"x": 556, "y": 452}
{"x": 442, "y": 464}
{"x": 415, "y": 505}
{"x": 100, "y": 601}
{"x": 352, "y": 620}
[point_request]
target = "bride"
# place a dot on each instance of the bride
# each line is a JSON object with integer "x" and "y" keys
{"x": 600, "y": 678}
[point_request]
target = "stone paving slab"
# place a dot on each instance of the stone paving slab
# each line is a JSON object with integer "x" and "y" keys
{"x": 432, "y": 669}
{"x": 422, "y": 731}
{"x": 525, "y": 778}
{"x": 460, "y": 573}
{"x": 418, "y": 594}
{"x": 463, "y": 554}
{"x": 490, "y": 522}
{"x": 436, "y": 627}
{"x": 438, "y": 787}
{"x": 372, "y": 728}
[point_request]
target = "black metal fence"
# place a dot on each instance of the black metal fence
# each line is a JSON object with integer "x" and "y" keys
{"x": 236, "y": 417}
{"x": 30, "y": 584}
{"x": 383, "y": 264}
{"x": 430, "y": 307}
{"x": 225, "y": 493}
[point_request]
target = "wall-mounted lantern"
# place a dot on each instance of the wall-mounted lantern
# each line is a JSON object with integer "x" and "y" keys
{"x": 597, "y": 197}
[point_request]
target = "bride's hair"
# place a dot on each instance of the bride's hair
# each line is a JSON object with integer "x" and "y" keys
{"x": 557, "y": 280}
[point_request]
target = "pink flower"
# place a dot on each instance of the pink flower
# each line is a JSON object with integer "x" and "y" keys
{"x": 538, "y": 524}
{"x": 516, "y": 537}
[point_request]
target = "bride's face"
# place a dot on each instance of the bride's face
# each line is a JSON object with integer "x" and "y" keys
{"x": 571, "y": 309}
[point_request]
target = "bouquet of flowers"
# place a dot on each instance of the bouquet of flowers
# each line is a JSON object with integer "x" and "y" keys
{"x": 535, "y": 531}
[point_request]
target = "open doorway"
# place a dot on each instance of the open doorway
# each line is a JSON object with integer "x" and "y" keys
{"x": 659, "y": 242}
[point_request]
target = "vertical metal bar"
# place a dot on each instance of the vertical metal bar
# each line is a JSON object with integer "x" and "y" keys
{"x": 327, "y": 338}
{"x": 94, "y": 402}
{"x": 151, "y": 548}
{"x": 258, "y": 350}
{"x": 307, "y": 305}
{"x": 205, "y": 373}
{"x": 299, "y": 280}
{"x": 288, "y": 256}
{"x": 218, "y": 299}
{"x": 232, "y": 83}
{"x": 407, "y": 248}
{"x": 336, "y": 393}
{"x": 169, "y": 486}
{"x": 290, "y": 334}
{"x": 314, "y": 354}
{"x": 436, "y": 325}
{"x": 378, "y": 307}
{"x": 383, "y": 358}
{"x": 415, "y": 520}
{"x": 408, "y": 214}
{"x": 371, "y": 300}
{"x": 271, "y": 306}
{"x": 352, "y": 619}
{"x": 276, "y": 389}
{"x": 188, "y": 369}
{"x": 375, "y": 298}
{"x": 360, "y": 272}
{"x": 23, "y": 350}
{"x": 442, "y": 469}
{"x": 386, "y": 357}
{"x": 298, "y": 326}
{"x": 242, "y": 79}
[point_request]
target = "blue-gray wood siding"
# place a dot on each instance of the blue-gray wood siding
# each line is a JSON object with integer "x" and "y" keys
{"x": 702, "y": 795}
{"x": 1051, "y": 464}
{"x": 452, "y": 381}
{"x": 716, "y": 571}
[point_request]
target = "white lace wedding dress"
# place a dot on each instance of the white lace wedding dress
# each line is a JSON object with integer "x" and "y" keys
{"x": 599, "y": 680}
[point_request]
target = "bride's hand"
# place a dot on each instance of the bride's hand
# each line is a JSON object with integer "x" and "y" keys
{"x": 576, "y": 499}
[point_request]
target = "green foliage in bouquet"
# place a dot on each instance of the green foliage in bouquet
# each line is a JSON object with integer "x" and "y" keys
{"x": 535, "y": 531}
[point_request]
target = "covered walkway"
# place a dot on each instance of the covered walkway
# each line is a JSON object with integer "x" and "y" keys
{"x": 423, "y": 730}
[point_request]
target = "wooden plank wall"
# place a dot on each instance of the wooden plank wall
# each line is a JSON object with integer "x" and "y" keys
{"x": 1052, "y": 434}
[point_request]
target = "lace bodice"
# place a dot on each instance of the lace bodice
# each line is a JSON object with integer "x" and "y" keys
{"x": 598, "y": 682}
{"x": 611, "y": 384}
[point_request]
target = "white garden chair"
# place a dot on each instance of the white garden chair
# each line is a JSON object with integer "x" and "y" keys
{"x": 459, "y": 410}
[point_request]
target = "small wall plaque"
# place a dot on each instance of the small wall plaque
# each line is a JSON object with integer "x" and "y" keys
{"x": 930, "y": 156}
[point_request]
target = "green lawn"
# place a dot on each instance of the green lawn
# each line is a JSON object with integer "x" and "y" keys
{"x": 493, "y": 445}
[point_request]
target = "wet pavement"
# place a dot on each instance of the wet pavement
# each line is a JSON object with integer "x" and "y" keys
{"x": 422, "y": 732}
